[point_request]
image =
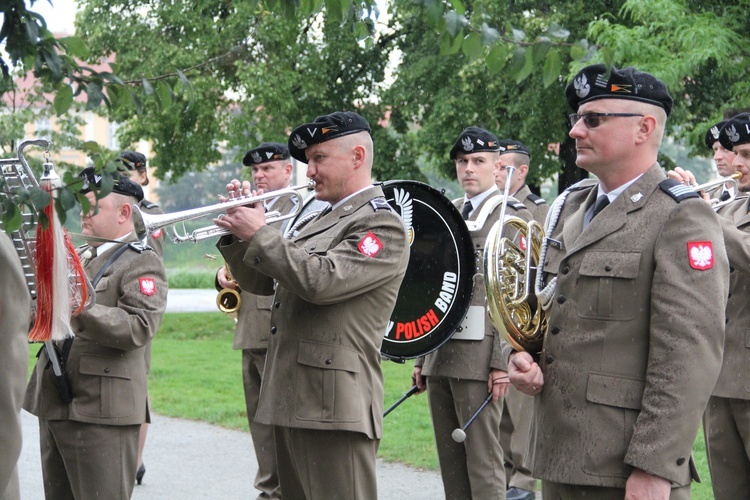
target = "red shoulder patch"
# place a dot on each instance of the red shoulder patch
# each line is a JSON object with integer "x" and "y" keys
{"x": 148, "y": 286}
{"x": 701, "y": 255}
{"x": 370, "y": 245}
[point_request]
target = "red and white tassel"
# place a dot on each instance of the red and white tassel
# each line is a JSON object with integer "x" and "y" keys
{"x": 61, "y": 289}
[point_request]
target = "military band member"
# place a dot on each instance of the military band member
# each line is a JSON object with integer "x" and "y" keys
{"x": 726, "y": 423}
{"x": 636, "y": 276}
{"x": 15, "y": 312}
{"x": 337, "y": 284}
{"x": 133, "y": 165}
{"x": 460, "y": 374}
{"x": 271, "y": 171}
{"x": 516, "y": 154}
{"x": 89, "y": 446}
{"x": 724, "y": 160}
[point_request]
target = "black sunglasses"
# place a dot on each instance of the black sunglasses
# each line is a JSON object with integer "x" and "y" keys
{"x": 593, "y": 120}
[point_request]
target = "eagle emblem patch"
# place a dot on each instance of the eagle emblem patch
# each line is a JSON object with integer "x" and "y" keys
{"x": 148, "y": 286}
{"x": 370, "y": 245}
{"x": 701, "y": 255}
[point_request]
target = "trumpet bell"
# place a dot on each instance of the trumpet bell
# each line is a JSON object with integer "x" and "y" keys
{"x": 228, "y": 301}
{"x": 509, "y": 271}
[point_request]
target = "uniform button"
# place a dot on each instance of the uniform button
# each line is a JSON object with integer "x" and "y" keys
{"x": 555, "y": 330}
{"x": 730, "y": 295}
{"x": 608, "y": 268}
{"x": 80, "y": 328}
{"x": 257, "y": 260}
{"x": 273, "y": 329}
{"x": 549, "y": 358}
{"x": 731, "y": 269}
{"x": 329, "y": 361}
{"x": 726, "y": 319}
{"x": 561, "y": 299}
{"x": 277, "y": 304}
{"x": 546, "y": 262}
{"x": 680, "y": 461}
{"x": 566, "y": 270}
{"x": 106, "y": 370}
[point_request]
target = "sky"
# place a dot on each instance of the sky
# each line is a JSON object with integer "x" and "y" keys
{"x": 59, "y": 16}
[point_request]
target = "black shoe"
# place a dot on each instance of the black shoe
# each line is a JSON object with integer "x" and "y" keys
{"x": 514, "y": 493}
{"x": 140, "y": 473}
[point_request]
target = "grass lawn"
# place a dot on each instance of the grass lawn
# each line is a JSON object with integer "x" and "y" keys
{"x": 195, "y": 374}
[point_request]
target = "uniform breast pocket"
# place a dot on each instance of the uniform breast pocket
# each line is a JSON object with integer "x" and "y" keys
{"x": 102, "y": 284}
{"x": 607, "y": 285}
{"x": 327, "y": 383}
{"x": 265, "y": 302}
{"x": 105, "y": 387}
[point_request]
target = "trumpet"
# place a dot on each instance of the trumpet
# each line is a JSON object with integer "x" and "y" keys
{"x": 229, "y": 300}
{"x": 145, "y": 224}
{"x": 715, "y": 202}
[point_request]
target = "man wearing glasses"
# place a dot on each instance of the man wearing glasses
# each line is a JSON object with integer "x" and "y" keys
{"x": 635, "y": 279}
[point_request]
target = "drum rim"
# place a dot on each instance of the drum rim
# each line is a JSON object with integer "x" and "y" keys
{"x": 467, "y": 265}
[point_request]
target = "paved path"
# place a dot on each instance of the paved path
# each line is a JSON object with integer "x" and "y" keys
{"x": 189, "y": 460}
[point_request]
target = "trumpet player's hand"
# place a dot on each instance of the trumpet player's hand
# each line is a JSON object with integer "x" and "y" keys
{"x": 686, "y": 177}
{"x": 497, "y": 384}
{"x": 525, "y": 374}
{"x": 221, "y": 276}
{"x": 242, "y": 221}
{"x": 418, "y": 380}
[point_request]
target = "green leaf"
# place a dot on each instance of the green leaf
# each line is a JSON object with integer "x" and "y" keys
{"x": 608, "y": 55}
{"x": 557, "y": 31}
{"x": 164, "y": 93}
{"x": 517, "y": 61}
{"x": 458, "y": 6}
{"x": 528, "y": 67}
{"x": 552, "y": 67}
{"x": 63, "y": 100}
{"x": 147, "y": 87}
{"x": 114, "y": 66}
{"x": 361, "y": 31}
{"x": 39, "y": 198}
{"x": 434, "y": 11}
{"x": 95, "y": 96}
{"x": 92, "y": 148}
{"x": 62, "y": 214}
{"x": 472, "y": 46}
{"x": 75, "y": 46}
{"x": 455, "y": 22}
{"x": 66, "y": 199}
{"x": 489, "y": 34}
{"x": 336, "y": 9}
{"x": 518, "y": 35}
{"x": 12, "y": 216}
{"x": 497, "y": 58}
{"x": 579, "y": 50}
{"x": 54, "y": 63}
{"x": 541, "y": 47}
{"x": 450, "y": 45}
{"x": 110, "y": 77}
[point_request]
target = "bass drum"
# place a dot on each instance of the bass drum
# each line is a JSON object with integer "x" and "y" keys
{"x": 436, "y": 292}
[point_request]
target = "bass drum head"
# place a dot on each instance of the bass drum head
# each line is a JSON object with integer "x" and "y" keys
{"x": 436, "y": 292}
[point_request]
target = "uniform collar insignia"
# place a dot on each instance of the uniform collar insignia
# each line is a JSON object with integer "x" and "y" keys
{"x": 636, "y": 197}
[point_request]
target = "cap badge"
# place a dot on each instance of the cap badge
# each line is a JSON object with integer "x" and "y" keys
{"x": 732, "y": 134}
{"x": 269, "y": 155}
{"x": 347, "y": 208}
{"x": 715, "y": 132}
{"x": 256, "y": 157}
{"x": 298, "y": 143}
{"x": 311, "y": 132}
{"x": 325, "y": 130}
{"x": 636, "y": 197}
{"x": 581, "y": 84}
{"x": 466, "y": 143}
{"x": 480, "y": 142}
{"x": 622, "y": 89}
{"x": 601, "y": 81}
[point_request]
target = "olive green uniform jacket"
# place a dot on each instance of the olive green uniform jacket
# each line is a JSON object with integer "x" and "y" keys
{"x": 15, "y": 310}
{"x": 338, "y": 281}
{"x": 635, "y": 336}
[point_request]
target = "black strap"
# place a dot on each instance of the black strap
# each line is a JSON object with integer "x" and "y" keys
{"x": 110, "y": 261}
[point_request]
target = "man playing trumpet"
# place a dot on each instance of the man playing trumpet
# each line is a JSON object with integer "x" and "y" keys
{"x": 337, "y": 282}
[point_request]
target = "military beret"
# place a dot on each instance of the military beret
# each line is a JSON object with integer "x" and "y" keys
{"x": 122, "y": 184}
{"x": 475, "y": 140}
{"x": 592, "y": 83}
{"x": 325, "y": 128}
{"x": 735, "y": 131}
{"x": 268, "y": 151}
{"x": 712, "y": 134}
{"x": 132, "y": 160}
{"x": 511, "y": 146}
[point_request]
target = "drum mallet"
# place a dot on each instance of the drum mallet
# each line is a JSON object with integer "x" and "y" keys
{"x": 459, "y": 435}
{"x": 414, "y": 389}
